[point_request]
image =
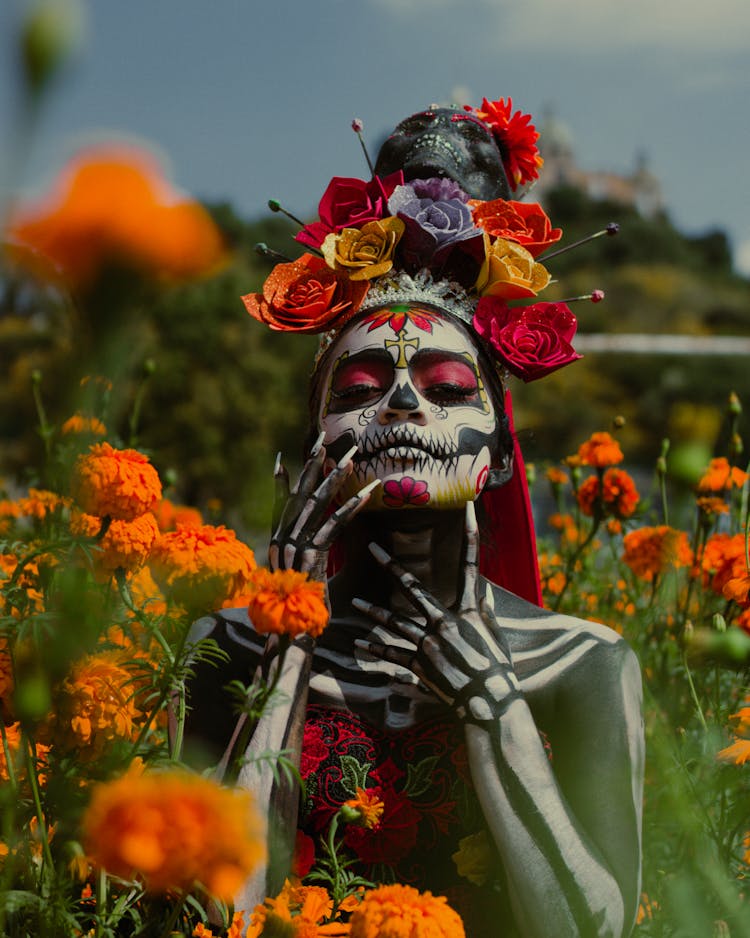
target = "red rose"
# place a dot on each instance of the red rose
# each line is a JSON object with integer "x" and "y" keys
{"x": 526, "y": 223}
{"x": 533, "y": 340}
{"x": 394, "y": 837}
{"x": 350, "y": 203}
{"x": 305, "y": 296}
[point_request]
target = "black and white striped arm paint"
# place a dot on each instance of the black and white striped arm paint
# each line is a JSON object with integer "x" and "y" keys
{"x": 572, "y": 862}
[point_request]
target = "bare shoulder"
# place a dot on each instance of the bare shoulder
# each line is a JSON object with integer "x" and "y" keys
{"x": 557, "y": 651}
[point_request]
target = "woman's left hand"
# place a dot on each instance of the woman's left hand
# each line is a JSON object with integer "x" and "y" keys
{"x": 459, "y": 655}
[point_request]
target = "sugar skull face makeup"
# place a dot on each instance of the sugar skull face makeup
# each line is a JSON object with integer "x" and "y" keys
{"x": 404, "y": 385}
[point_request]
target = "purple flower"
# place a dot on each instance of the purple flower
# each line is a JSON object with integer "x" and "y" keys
{"x": 438, "y": 220}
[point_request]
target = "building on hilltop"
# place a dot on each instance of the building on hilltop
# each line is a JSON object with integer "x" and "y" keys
{"x": 640, "y": 189}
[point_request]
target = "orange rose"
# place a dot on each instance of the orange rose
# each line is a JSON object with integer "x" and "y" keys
{"x": 523, "y": 222}
{"x": 306, "y": 295}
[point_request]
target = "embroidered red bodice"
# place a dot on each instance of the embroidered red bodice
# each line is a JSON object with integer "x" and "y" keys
{"x": 422, "y": 777}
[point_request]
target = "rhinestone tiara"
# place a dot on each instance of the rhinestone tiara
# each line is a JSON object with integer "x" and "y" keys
{"x": 399, "y": 287}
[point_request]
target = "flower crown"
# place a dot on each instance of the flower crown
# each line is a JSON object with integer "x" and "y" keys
{"x": 387, "y": 241}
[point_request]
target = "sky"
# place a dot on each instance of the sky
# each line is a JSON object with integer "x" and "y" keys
{"x": 248, "y": 100}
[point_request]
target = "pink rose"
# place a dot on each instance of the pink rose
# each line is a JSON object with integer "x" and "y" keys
{"x": 350, "y": 203}
{"x": 531, "y": 341}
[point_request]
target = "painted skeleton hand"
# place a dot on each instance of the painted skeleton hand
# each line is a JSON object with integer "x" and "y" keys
{"x": 460, "y": 655}
{"x": 304, "y": 529}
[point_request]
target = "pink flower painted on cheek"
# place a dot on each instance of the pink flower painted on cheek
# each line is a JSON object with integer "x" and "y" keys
{"x": 406, "y": 491}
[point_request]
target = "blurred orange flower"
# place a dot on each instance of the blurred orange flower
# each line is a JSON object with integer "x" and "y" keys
{"x": 84, "y": 426}
{"x": 720, "y": 476}
{"x": 169, "y": 515}
{"x": 297, "y": 912}
{"x": 174, "y": 829}
{"x": 287, "y": 602}
{"x": 556, "y": 476}
{"x": 40, "y": 502}
{"x": 738, "y": 751}
{"x": 393, "y": 911}
{"x": 600, "y": 450}
{"x": 111, "y": 205}
{"x": 31, "y": 599}
{"x": 119, "y": 483}
{"x": 126, "y": 544}
{"x": 723, "y": 559}
{"x": 619, "y": 495}
{"x": 14, "y": 739}
{"x": 650, "y": 551}
{"x": 95, "y": 705}
{"x": 201, "y": 566}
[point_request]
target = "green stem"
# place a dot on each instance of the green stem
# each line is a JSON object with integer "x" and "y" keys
{"x": 30, "y": 754}
{"x": 171, "y": 921}
{"x": 573, "y": 558}
{"x": 694, "y": 694}
{"x": 101, "y": 901}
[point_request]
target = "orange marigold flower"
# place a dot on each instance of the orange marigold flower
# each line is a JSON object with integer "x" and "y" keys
{"x": 40, "y": 503}
{"x": 617, "y": 491}
{"x": 297, "y": 912}
{"x": 121, "y": 484}
{"x": 397, "y": 911}
{"x": 169, "y": 516}
{"x": 174, "y": 829}
{"x": 366, "y": 809}
{"x": 146, "y": 594}
{"x": 95, "y": 705}
{"x": 126, "y": 544}
{"x": 600, "y": 451}
{"x": 720, "y": 476}
{"x": 650, "y": 551}
{"x": 83, "y": 426}
{"x": 711, "y": 505}
{"x": 556, "y": 476}
{"x": 112, "y": 205}
{"x": 200, "y": 567}
{"x": 31, "y": 598}
{"x": 287, "y": 602}
{"x": 723, "y": 559}
{"x": 14, "y": 739}
{"x": 738, "y": 589}
{"x": 737, "y": 752}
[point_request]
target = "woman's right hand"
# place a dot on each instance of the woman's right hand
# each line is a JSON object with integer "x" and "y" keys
{"x": 304, "y": 526}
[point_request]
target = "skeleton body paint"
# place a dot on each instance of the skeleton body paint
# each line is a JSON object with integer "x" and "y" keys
{"x": 404, "y": 388}
{"x": 414, "y": 432}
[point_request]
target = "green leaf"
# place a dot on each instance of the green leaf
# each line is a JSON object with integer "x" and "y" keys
{"x": 355, "y": 774}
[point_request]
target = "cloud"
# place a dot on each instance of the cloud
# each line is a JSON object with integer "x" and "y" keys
{"x": 601, "y": 25}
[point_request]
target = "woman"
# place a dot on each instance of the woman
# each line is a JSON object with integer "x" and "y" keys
{"x": 504, "y": 741}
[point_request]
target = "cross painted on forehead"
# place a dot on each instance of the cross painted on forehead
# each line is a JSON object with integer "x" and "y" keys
{"x": 409, "y": 346}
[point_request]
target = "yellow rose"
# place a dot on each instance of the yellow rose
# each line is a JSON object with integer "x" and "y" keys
{"x": 473, "y": 858}
{"x": 365, "y": 252}
{"x": 509, "y": 271}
